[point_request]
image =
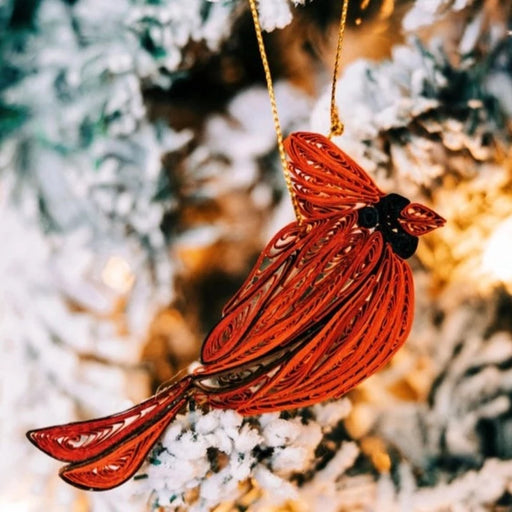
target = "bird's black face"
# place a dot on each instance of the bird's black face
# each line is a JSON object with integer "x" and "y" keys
{"x": 384, "y": 217}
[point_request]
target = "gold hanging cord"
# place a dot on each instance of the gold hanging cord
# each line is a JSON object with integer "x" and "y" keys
{"x": 336, "y": 124}
{"x": 273, "y": 104}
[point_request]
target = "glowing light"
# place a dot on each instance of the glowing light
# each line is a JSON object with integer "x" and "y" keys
{"x": 497, "y": 256}
{"x": 117, "y": 274}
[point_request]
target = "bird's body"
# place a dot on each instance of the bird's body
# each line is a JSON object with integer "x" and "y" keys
{"x": 328, "y": 303}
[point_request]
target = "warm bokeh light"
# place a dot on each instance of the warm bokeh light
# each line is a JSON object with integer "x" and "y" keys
{"x": 496, "y": 259}
{"x": 118, "y": 275}
{"x": 472, "y": 251}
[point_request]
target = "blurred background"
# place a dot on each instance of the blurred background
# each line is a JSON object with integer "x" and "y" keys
{"x": 140, "y": 179}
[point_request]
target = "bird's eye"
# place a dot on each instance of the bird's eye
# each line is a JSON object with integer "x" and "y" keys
{"x": 368, "y": 217}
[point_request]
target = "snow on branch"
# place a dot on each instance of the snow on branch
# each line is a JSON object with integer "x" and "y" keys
{"x": 205, "y": 459}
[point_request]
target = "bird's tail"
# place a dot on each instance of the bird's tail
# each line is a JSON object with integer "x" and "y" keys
{"x": 105, "y": 452}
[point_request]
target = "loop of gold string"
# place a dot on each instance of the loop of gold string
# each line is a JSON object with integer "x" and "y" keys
{"x": 273, "y": 104}
{"x": 337, "y": 126}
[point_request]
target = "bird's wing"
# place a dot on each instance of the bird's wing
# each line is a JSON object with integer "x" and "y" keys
{"x": 350, "y": 345}
{"x": 292, "y": 291}
{"x": 329, "y": 187}
{"x": 326, "y": 181}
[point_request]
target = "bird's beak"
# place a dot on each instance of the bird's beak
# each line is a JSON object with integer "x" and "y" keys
{"x": 416, "y": 219}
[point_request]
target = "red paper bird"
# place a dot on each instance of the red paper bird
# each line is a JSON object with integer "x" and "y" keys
{"x": 328, "y": 303}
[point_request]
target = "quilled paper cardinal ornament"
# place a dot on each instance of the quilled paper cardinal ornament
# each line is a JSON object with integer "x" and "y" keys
{"x": 329, "y": 301}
